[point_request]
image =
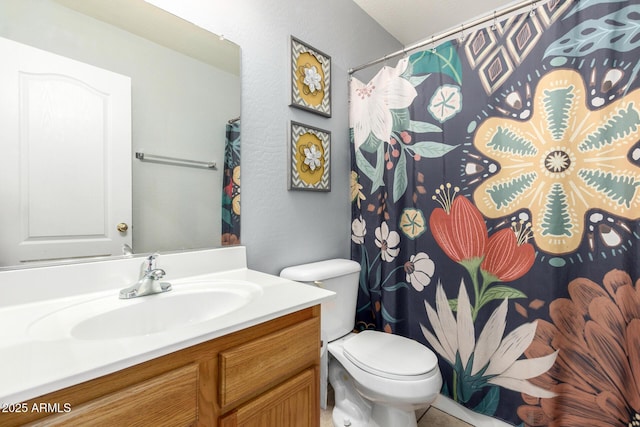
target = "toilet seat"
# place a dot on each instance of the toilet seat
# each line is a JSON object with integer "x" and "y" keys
{"x": 390, "y": 356}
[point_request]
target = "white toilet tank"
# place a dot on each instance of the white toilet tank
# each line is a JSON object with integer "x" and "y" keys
{"x": 340, "y": 276}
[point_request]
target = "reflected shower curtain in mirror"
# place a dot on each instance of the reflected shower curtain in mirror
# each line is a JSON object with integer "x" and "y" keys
{"x": 231, "y": 185}
{"x": 495, "y": 204}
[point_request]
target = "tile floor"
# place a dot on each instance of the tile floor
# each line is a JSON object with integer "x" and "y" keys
{"x": 432, "y": 417}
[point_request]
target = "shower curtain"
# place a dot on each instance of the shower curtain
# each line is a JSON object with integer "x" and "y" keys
{"x": 496, "y": 211}
{"x": 231, "y": 185}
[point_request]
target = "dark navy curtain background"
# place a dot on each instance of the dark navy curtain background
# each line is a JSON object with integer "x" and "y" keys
{"x": 495, "y": 203}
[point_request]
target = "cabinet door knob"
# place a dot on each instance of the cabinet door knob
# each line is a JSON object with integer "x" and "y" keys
{"x": 122, "y": 227}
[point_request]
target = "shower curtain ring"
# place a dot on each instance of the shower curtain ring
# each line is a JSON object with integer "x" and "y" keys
{"x": 433, "y": 45}
{"x": 494, "y": 26}
{"x": 461, "y": 38}
{"x": 533, "y": 9}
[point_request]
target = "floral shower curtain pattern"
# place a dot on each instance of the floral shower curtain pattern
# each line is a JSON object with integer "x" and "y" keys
{"x": 496, "y": 212}
{"x": 231, "y": 186}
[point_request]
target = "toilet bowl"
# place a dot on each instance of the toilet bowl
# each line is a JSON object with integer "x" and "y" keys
{"x": 379, "y": 379}
{"x": 394, "y": 375}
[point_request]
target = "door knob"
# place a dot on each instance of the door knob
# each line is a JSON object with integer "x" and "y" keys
{"x": 122, "y": 227}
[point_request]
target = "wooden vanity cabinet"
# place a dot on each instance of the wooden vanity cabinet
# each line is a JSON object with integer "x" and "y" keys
{"x": 263, "y": 376}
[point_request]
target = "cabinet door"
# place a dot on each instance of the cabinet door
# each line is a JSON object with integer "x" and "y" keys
{"x": 252, "y": 367}
{"x": 295, "y": 403}
{"x": 167, "y": 400}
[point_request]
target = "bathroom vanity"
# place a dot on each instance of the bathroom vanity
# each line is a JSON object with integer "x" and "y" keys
{"x": 257, "y": 365}
{"x": 265, "y": 375}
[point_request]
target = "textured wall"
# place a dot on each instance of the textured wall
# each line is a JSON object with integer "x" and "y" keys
{"x": 281, "y": 227}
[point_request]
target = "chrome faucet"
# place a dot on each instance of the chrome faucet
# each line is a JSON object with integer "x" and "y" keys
{"x": 148, "y": 283}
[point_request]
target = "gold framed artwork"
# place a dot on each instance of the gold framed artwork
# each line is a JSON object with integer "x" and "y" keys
{"x": 309, "y": 158}
{"x": 310, "y": 78}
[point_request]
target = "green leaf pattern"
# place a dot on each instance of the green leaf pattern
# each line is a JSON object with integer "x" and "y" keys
{"x": 557, "y": 105}
{"x": 507, "y": 192}
{"x": 506, "y": 141}
{"x": 556, "y": 220}
{"x": 620, "y": 189}
{"x": 443, "y": 60}
{"x": 621, "y": 124}
{"x": 618, "y": 31}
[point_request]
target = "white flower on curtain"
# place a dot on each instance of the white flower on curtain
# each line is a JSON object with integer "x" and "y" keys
{"x": 371, "y": 103}
{"x": 388, "y": 241}
{"x": 358, "y": 230}
{"x": 493, "y": 359}
{"x": 419, "y": 270}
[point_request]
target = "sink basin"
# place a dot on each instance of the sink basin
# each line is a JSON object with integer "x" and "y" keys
{"x": 108, "y": 317}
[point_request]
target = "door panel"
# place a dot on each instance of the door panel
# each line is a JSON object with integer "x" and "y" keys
{"x": 65, "y": 127}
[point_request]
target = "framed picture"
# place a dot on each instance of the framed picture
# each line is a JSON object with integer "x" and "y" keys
{"x": 310, "y": 78}
{"x": 309, "y": 158}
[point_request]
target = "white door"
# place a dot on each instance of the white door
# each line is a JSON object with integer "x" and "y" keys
{"x": 65, "y": 157}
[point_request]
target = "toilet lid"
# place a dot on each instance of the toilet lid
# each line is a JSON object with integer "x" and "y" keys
{"x": 389, "y": 356}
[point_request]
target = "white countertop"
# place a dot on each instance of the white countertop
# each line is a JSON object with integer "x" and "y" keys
{"x": 31, "y": 366}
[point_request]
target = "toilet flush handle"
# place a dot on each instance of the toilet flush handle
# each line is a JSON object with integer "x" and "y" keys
{"x": 319, "y": 283}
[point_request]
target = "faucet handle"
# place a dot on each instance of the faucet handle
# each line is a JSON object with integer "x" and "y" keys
{"x": 150, "y": 262}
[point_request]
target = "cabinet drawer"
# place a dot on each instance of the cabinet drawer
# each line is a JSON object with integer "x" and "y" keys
{"x": 249, "y": 368}
{"x": 294, "y": 403}
{"x": 167, "y": 400}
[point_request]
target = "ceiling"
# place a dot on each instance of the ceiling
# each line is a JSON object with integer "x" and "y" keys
{"x": 145, "y": 20}
{"x": 412, "y": 21}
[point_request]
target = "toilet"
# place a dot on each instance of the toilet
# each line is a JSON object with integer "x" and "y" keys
{"x": 379, "y": 379}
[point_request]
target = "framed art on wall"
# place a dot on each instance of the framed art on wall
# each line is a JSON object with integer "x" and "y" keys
{"x": 309, "y": 158}
{"x": 310, "y": 78}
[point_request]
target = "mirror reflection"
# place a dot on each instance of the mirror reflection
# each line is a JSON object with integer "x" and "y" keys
{"x": 91, "y": 84}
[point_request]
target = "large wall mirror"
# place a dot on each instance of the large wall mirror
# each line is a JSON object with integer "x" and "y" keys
{"x": 117, "y": 112}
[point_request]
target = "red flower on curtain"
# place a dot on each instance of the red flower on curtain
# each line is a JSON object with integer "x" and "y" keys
{"x": 460, "y": 231}
{"x": 458, "y": 227}
{"x": 508, "y": 256}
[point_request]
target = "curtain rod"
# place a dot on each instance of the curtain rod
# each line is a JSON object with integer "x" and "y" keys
{"x": 495, "y": 15}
